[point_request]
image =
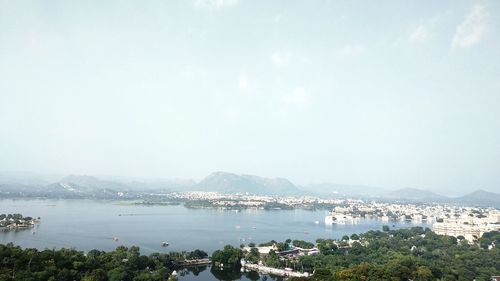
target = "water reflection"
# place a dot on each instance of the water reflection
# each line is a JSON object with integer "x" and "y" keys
{"x": 214, "y": 273}
{"x": 191, "y": 270}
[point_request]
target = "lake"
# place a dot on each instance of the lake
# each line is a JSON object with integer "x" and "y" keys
{"x": 88, "y": 224}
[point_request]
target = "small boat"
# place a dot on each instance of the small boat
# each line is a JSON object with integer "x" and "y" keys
{"x": 164, "y": 244}
{"x": 33, "y": 232}
{"x": 316, "y": 222}
{"x": 115, "y": 239}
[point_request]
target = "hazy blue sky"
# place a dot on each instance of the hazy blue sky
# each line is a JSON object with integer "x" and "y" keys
{"x": 384, "y": 93}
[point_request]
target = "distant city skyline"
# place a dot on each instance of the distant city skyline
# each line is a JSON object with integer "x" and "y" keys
{"x": 316, "y": 188}
{"x": 390, "y": 94}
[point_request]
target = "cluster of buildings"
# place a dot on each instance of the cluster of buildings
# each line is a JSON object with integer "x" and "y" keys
{"x": 467, "y": 223}
{"x": 351, "y": 211}
{"x": 290, "y": 254}
{"x": 245, "y": 200}
{"x": 15, "y": 222}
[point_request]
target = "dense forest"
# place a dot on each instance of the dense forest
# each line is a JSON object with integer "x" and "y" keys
{"x": 404, "y": 254}
{"x": 125, "y": 264}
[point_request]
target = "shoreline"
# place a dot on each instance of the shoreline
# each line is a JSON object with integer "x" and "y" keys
{"x": 275, "y": 271}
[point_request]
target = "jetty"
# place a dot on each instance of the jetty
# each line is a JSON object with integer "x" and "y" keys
{"x": 195, "y": 262}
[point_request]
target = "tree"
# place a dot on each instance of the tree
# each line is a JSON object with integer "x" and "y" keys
{"x": 323, "y": 274}
{"x": 272, "y": 259}
{"x": 133, "y": 258}
{"x": 229, "y": 257}
{"x": 423, "y": 273}
{"x": 253, "y": 256}
{"x": 118, "y": 274}
{"x": 303, "y": 244}
{"x": 197, "y": 254}
{"x": 327, "y": 247}
{"x": 96, "y": 275}
{"x": 282, "y": 247}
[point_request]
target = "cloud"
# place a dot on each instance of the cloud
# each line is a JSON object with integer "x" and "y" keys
{"x": 420, "y": 34}
{"x": 298, "y": 97}
{"x": 350, "y": 51}
{"x": 215, "y": 4}
{"x": 472, "y": 29}
{"x": 281, "y": 58}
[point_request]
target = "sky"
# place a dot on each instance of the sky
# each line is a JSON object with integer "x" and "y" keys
{"x": 381, "y": 93}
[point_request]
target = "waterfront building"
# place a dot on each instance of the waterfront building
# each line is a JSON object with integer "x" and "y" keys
{"x": 467, "y": 225}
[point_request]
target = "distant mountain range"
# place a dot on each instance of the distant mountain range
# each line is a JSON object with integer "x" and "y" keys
{"x": 478, "y": 197}
{"x": 83, "y": 186}
{"x": 344, "y": 190}
{"x": 416, "y": 195}
{"x": 232, "y": 183}
{"x": 483, "y": 197}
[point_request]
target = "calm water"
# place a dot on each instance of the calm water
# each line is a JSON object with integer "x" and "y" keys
{"x": 211, "y": 273}
{"x": 87, "y": 224}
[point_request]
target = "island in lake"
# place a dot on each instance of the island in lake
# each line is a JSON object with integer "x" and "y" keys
{"x": 16, "y": 222}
